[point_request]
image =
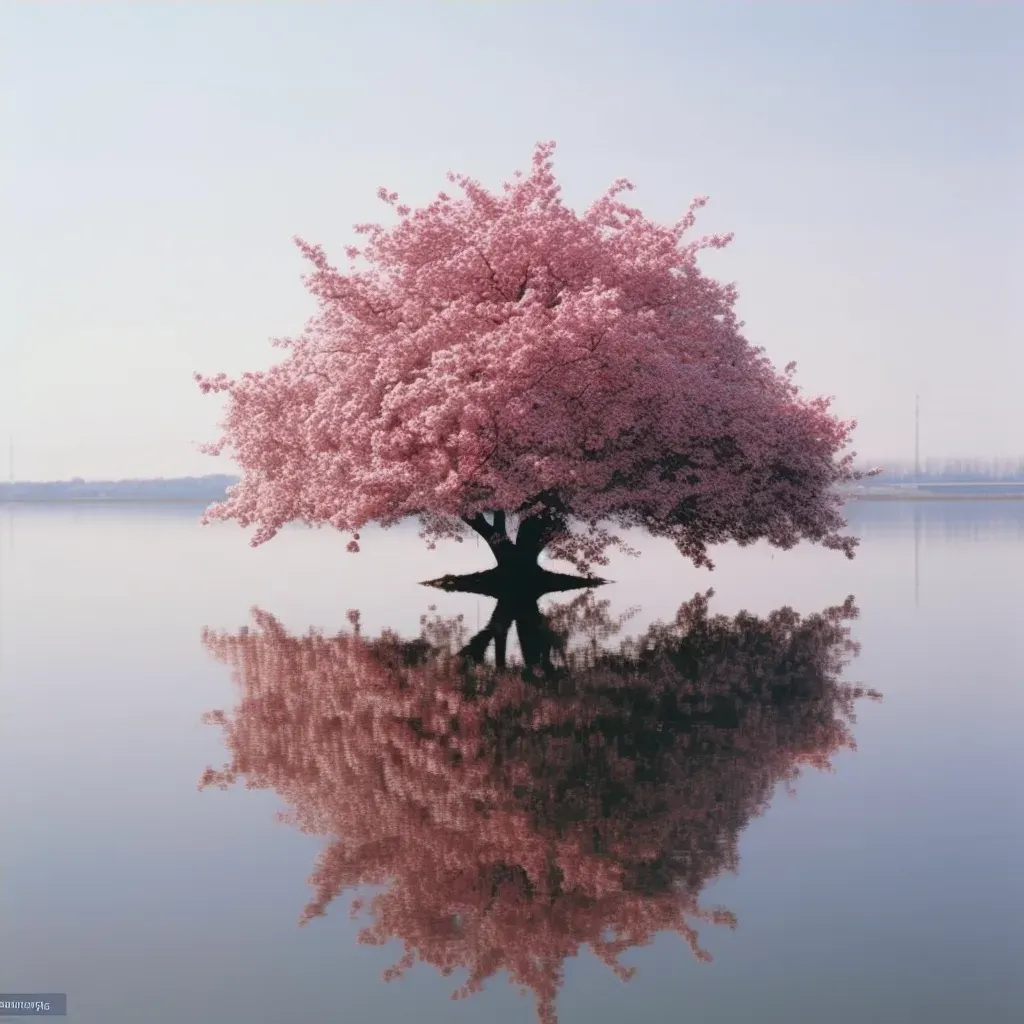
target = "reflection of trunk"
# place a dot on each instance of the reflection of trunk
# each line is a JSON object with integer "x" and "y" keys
{"x": 537, "y": 639}
{"x": 518, "y": 557}
{"x": 517, "y": 596}
{"x": 518, "y": 584}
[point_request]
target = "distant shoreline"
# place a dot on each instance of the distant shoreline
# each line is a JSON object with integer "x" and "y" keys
{"x": 1017, "y": 496}
{"x": 108, "y": 501}
{"x": 966, "y": 484}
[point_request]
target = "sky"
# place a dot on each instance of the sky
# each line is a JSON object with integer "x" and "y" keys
{"x": 157, "y": 158}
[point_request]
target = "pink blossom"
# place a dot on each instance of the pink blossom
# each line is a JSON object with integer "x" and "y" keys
{"x": 501, "y": 351}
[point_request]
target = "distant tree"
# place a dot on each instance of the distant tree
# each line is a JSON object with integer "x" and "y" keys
{"x": 501, "y": 355}
{"x": 518, "y": 809}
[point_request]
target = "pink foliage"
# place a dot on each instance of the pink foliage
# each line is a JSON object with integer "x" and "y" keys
{"x": 504, "y": 352}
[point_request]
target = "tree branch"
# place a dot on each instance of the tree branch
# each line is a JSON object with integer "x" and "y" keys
{"x": 494, "y": 533}
{"x": 536, "y": 532}
{"x": 479, "y": 524}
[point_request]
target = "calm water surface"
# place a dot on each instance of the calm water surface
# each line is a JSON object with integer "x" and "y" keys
{"x": 886, "y": 890}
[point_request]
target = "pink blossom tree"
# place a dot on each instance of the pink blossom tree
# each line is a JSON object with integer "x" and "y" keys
{"x": 498, "y": 362}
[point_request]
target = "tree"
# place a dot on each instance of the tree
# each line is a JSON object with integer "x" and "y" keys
{"x": 499, "y": 360}
{"x": 515, "y": 810}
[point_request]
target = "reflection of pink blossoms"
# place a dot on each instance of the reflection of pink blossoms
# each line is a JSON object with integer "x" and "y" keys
{"x": 501, "y": 351}
{"x": 514, "y": 817}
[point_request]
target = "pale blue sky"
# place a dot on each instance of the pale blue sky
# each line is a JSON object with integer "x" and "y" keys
{"x": 157, "y": 158}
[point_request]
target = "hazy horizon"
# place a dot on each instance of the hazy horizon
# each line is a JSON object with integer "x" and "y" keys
{"x": 930, "y": 465}
{"x": 159, "y": 158}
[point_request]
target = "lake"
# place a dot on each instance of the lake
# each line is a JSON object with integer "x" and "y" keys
{"x": 888, "y": 889}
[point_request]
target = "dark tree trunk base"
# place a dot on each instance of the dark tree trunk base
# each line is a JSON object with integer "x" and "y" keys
{"x": 517, "y": 594}
{"x": 506, "y": 582}
{"x": 517, "y": 570}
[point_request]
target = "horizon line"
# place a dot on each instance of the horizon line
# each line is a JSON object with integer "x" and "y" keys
{"x": 861, "y": 463}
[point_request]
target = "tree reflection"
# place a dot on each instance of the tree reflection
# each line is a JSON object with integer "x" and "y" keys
{"x": 515, "y": 809}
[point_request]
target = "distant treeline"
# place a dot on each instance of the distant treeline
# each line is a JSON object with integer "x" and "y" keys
{"x": 183, "y": 488}
{"x": 212, "y": 488}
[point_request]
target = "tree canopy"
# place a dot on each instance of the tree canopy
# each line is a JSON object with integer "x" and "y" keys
{"x": 499, "y": 354}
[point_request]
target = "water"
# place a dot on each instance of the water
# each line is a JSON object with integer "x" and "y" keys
{"x": 888, "y": 890}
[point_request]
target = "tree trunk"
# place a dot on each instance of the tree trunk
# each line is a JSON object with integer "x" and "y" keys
{"x": 518, "y": 558}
